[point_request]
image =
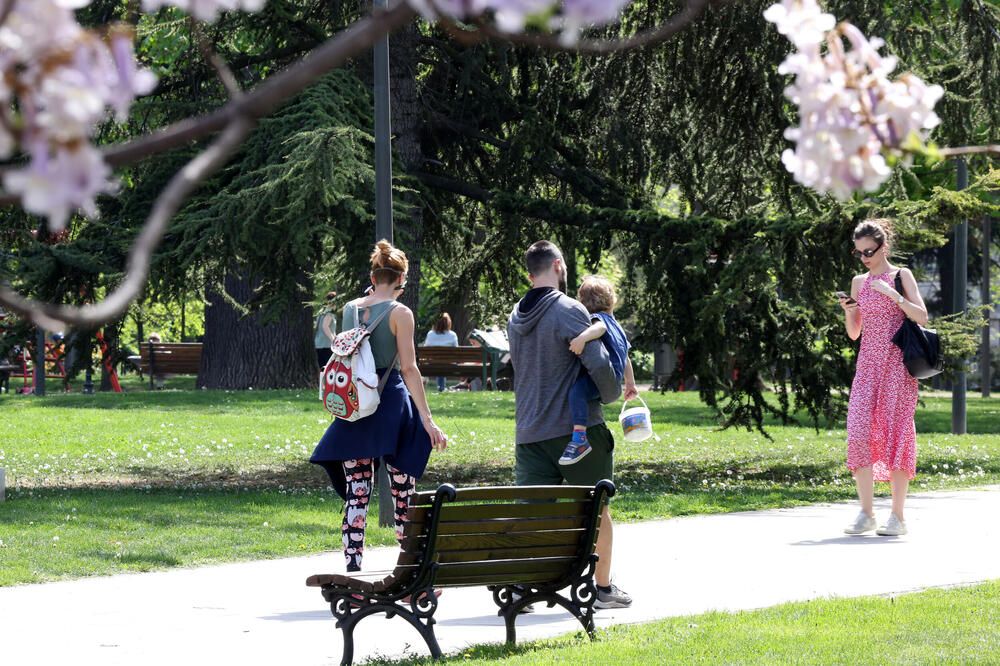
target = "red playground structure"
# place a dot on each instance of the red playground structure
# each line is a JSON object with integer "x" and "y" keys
{"x": 21, "y": 363}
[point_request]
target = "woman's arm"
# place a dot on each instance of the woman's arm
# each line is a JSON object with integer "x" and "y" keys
{"x": 852, "y": 316}
{"x": 593, "y": 332}
{"x": 401, "y": 320}
{"x": 913, "y": 306}
{"x": 325, "y": 325}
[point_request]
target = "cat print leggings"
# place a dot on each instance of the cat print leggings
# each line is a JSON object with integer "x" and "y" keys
{"x": 359, "y": 475}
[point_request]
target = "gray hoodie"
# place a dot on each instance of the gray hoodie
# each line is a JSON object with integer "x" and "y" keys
{"x": 540, "y": 329}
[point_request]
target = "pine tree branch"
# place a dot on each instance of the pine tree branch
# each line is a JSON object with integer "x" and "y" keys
{"x": 572, "y": 215}
{"x": 483, "y": 31}
{"x": 52, "y": 317}
{"x": 222, "y": 71}
{"x": 273, "y": 92}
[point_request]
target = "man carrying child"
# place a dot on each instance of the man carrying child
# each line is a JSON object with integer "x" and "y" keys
{"x": 541, "y": 328}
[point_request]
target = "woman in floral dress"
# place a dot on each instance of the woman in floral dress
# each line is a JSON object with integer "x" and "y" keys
{"x": 881, "y": 438}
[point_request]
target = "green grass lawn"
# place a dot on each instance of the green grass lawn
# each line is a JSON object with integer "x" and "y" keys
{"x": 145, "y": 480}
{"x": 951, "y": 626}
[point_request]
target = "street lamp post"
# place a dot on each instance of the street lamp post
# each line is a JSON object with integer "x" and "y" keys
{"x": 959, "y": 300}
{"x": 383, "y": 139}
{"x": 383, "y": 210}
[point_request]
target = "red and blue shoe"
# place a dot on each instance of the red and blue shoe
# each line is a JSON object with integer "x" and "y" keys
{"x": 577, "y": 448}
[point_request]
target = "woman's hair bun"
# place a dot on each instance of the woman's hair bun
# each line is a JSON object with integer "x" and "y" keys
{"x": 388, "y": 262}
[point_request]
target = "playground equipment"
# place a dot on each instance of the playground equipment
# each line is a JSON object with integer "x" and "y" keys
{"x": 22, "y": 365}
{"x": 54, "y": 366}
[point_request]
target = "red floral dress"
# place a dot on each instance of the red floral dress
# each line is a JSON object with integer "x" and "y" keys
{"x": 880, "y": 430}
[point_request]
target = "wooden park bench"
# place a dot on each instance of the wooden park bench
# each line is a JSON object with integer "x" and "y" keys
{"x": 453, "y": 362}
{"x": 525, "y": 543}
{"x": 168, "y": 358}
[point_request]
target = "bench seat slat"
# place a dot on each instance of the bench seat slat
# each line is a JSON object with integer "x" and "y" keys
{"x": 513, "y": 578}
{"x": 463, "y": 580}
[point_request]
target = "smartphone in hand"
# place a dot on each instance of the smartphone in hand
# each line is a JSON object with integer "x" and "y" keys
{"x": 843, "y": 294}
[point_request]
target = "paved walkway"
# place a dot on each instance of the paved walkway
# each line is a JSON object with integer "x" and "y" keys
{"x": 261, "y": 612}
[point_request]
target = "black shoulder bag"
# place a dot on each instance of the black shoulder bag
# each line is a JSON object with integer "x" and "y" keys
{"x": 921, "y": 346}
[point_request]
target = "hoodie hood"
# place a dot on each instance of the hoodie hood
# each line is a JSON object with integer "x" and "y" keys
{"x": 530, "y": 310}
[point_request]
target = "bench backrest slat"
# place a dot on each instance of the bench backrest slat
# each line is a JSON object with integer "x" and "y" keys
{"x": 495, "y": 554}
{"x": 499, "y": 525}
{"x": 580, "y": 493}
{"x": 449, "y": 355}
{"x": 452, "y": 542}
{"x": 472, "y": 512}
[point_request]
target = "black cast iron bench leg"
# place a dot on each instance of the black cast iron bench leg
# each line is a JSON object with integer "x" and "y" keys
{"x": 349, "y": 610}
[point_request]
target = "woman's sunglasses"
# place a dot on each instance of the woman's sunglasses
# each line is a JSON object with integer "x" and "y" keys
{"x": 868, "y": 254}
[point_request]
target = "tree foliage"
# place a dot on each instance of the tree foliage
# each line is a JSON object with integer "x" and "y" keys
{"x": 519, "y": 144}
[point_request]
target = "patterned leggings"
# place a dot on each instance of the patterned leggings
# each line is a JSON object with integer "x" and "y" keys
{"x": 360, "y": 479}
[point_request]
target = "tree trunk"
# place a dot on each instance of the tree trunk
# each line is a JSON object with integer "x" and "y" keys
{"x": 241, "y": 352}
{"x": 946, "y": 268}
{"x": 461, "y": 321}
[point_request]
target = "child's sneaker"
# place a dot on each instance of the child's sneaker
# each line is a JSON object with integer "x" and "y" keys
{"x": 576, "y": 449}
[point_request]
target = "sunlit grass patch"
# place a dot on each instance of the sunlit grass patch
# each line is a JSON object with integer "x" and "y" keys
{"x": 955, "y": 626}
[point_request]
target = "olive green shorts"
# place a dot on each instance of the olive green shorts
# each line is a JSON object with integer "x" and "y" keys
{"x": 537, "y": 463}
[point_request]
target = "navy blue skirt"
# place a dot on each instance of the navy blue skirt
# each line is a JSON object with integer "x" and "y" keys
{"x": 394, "y": 432}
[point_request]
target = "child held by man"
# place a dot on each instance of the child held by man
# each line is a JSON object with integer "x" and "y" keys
{"x": 598, "y": 296}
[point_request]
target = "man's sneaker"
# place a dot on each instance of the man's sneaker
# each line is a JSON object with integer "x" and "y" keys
{"x": 894, "y": 527}
{"x": 574, "y": 452}
{"x": 530, "y": 608}
{"x": 863, "y": 523}
{"x": 613, "y": 598}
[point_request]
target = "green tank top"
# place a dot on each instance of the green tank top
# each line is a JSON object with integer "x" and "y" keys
{"x": 382, "y": 340}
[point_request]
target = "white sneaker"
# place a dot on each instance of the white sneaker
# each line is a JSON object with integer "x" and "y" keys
{"x": 863, "y": 523}
{"x": 893, "y": 527}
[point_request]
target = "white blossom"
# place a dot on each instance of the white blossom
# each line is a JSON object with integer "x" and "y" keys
{"x": 802, "y": 21}
{"x": 58, "y": 182}
{"x": 850, "y": 111}
{"x": 58, "y": 81}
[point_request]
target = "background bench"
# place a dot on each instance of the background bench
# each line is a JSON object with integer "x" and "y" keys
{"x": 168, "y": 358}
{"x": 523, "y": 552}
{"x": 453, "y": 362}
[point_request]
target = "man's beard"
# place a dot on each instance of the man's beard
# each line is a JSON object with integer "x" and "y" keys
{"x": 563, "y": 285}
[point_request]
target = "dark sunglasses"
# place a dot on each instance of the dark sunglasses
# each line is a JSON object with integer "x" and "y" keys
{"x": 868, "y": 254}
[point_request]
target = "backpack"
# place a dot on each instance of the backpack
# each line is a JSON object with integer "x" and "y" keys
{"x": 349, "y": 387}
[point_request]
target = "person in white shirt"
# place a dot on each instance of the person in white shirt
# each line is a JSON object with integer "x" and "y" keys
{"x": 441, "y": 336}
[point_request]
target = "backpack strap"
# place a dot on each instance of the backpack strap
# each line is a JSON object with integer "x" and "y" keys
{"x": 385, "y": 377}
{"x": 371, "y": 327}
